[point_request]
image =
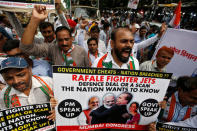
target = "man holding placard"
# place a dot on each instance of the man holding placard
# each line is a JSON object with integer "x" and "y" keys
{"x": 23, "y": 88}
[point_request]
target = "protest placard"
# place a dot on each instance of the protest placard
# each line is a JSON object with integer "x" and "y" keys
{"x": 166, "y": 127}
{"x": 26, "y": 118}
{"x": 74, "y": 87}
{"x": 183, "y": 42}
{"x": 1, "y": 78}
{"x": 24, "y": 5}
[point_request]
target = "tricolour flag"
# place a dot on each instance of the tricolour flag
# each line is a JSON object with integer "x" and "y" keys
{"x": 176, "y": 19}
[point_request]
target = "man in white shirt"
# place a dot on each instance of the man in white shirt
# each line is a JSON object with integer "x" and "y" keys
{"x": 105, "y": 33}
{"x": 93, "y": 52}
{"x": 122, "y": 42}
{"x": 145, "y": 43}
{"x": 23, "y": 88}
{"x": 94, "y": 32}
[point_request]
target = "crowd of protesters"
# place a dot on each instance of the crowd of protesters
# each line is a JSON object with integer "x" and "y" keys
{"x": 113, "y": 42}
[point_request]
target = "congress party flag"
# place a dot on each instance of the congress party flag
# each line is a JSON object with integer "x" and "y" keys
{"x": 176, "y": 19}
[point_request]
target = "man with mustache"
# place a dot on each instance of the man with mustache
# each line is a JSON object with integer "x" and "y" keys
{"x": 23, "y": 88}
{"x": 122, "y": 42}
{"x": 123, "y": 50}
{"x": 63, "y": 52}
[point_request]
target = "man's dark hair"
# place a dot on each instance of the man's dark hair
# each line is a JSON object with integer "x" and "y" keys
{"x": 143, "y": 27}
{"x": 95, "y": 29}
{"x": 106, "y": 25}
{"x": 180, "y": 81}
{"x": 10, "y": 44}
{"x": 154, "y": 28}
{"x": 102, "y": 22}
{"x": 92, "y": 38}
{"x": 2, "y": 17}
{"x": 137, "y": 104}
{"x": 189, "y": 84}
{"x": 113, "y": 34}
{"x": 44, "y": 25}
{"x": 129, "y": 96}
{"x": 60, "y": 28}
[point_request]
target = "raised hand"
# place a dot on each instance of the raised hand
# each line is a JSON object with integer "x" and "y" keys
{"x": 39, "y": 12}
{"x": 162, "y": 29}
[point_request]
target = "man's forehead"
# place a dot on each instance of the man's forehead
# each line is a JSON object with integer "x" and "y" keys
{"x": 63, "y": 32}
{"x": 123, "y": 95}
{"x": 48, "y": 28}
{"x": 133, "y": 104}
{"x": 109, "y": 97}
{"x": 143, "y": 30}
{"x": 122, "y": 33}
{"x": 94, "y": 99}
{"x": 15, "y": 50}
{"x": 92, "y": 42}
{"x": 12, "y": 71}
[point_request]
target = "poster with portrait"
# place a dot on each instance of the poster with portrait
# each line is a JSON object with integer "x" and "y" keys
{"x": 168, "y": 127}
{"x": 93, "y": 98}
{"x": 24, "y": 5}
{"x": 183, "y": 42}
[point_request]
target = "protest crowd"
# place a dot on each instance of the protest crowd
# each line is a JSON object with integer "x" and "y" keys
{"x": 29, "y": 50}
